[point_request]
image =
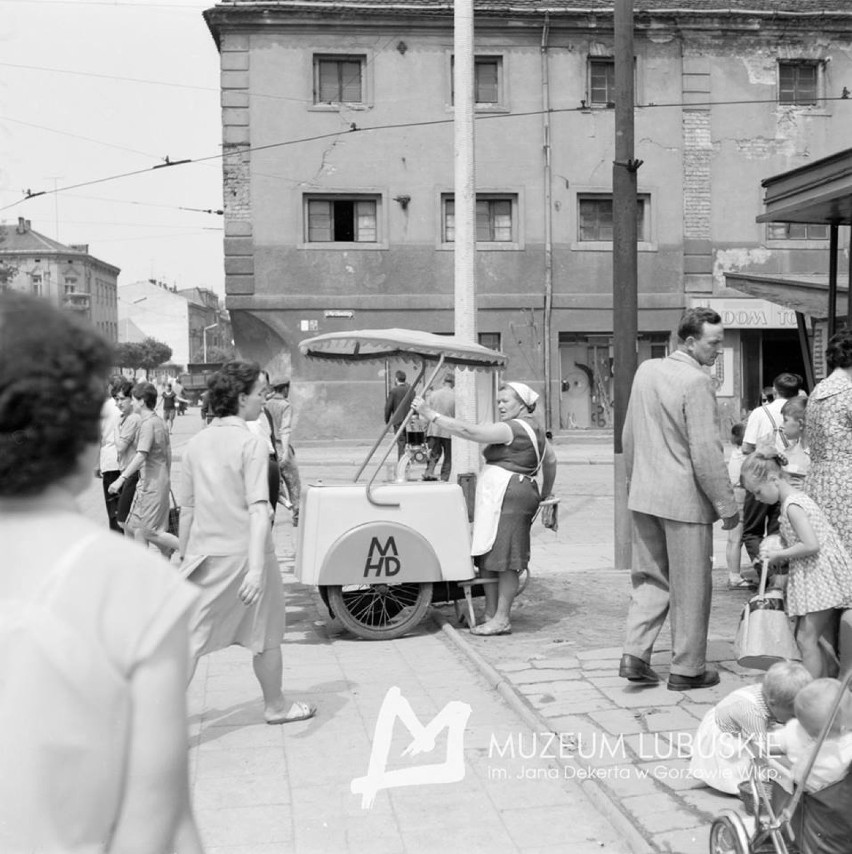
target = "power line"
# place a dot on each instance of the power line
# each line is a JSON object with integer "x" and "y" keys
{"x": 353, "y": 128}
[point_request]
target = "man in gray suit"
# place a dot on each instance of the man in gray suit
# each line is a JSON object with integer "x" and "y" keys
{"x": 677, "y": 486}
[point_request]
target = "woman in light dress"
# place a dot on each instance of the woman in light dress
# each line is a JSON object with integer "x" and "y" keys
{"x": 226, "y": 538}
{"x": 93, "y": 629}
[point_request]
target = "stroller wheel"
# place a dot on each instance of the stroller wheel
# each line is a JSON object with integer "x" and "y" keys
{"x": 728, "y": 835}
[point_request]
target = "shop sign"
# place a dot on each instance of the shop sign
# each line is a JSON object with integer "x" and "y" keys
{"x": 750, "y": 313}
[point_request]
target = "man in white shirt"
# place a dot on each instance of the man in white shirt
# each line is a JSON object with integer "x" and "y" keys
{"x": 764, "y": 426}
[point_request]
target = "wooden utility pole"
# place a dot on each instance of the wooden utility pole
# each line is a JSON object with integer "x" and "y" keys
{"x": 625, "y": 305}
{"x": 465, "y": 454}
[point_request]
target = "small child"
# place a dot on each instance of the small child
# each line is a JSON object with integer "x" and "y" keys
{"x": 797, "y": 454}
{"x": 720, "y": 756}
{"x": 820, "y": 567}
{"x": 813, "y": 706}
{"x": 734, "y": 547}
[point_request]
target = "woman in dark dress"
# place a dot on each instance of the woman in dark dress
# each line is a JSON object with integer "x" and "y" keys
{"x": 507, "y": 495}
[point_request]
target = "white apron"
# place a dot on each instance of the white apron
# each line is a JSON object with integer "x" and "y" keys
{"x": 490, "y": 490}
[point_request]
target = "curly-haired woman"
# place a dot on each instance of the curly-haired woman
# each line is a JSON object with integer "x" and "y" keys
{"x": 93, "y": 630}
{"x": 149, "y": 513}
{"x": 226, "y": 537}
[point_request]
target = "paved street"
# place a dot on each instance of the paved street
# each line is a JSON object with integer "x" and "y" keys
{"x": 605, "y": 767}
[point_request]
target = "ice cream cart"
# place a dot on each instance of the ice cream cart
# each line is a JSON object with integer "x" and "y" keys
{"x": 375, "y": 549}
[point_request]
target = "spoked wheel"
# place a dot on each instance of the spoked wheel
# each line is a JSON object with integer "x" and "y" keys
{"x": 728, "y": 835}
{"x": 380, "y": 611}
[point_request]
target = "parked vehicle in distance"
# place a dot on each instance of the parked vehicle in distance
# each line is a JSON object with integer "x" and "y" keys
{"x": 194, "y": 380}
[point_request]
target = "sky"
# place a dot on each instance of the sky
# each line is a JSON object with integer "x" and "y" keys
{"x": 92, "y": 89}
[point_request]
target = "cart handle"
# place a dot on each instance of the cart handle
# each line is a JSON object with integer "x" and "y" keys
{"x": 370, "y": 497}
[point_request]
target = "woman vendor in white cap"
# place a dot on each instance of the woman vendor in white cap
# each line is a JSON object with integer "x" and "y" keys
{"x": 507, "y": 495}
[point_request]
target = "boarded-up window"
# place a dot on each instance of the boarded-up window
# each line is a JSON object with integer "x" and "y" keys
{"x": 342, "y": 220}
{"x": 338, "y": 79}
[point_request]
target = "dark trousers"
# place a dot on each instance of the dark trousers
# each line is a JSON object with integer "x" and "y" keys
{"x": 440, "y": 446}
{"x": 400, "y": 442}
{"x": 125, "y": 498}
{"x": 274, "y": 477}
{"x": 110, "y": 500}
{"x": 759, "y": 520}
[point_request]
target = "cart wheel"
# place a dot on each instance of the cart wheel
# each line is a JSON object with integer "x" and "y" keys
{"x": 380, "y": 611}
{"x": 728, "y": 835}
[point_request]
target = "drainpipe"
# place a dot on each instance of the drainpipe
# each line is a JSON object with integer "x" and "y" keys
{"x": 548, "y": 220}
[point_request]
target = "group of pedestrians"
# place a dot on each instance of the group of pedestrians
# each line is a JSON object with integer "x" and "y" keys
{"x": 94, "y": 631}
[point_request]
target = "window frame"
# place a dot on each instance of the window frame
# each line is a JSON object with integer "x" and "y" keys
{"x": 788, "y": 242}
{"x": 591, "y": 62}
{"x": 376, "y": 196}
{"x": 818, "y": 66}
{"x": 364, "y": 61}
{"x": 501, "y": 105}
{"x": 645, "y": 241}
{"x": 514, "y": 197}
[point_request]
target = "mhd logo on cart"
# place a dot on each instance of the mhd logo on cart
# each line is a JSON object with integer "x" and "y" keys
{"x": 453, "y": 717}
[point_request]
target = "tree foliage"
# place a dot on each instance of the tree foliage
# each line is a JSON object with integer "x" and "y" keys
{"x": 146, "y": 355}
{"x": 220, "y": 355}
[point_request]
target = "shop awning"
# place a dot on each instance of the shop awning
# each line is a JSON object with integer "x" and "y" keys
{"x": 807, "y": 294}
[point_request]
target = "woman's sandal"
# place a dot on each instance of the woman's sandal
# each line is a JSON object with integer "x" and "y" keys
{"x": 296, "y": 712}
{"x": 487, "y": 630}
{"x": 741, "y": 584}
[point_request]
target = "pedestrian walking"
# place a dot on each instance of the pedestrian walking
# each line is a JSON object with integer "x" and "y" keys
{"x": 678, "y": 486}
{"x": 169, "y": 406}
{"x": 443, "y": 401}
{"x": 93, "y": 630}
{"x": 149, "y": 513}
{"x": 396, "y": 408}
{"x": 226, "y": 538}
{"x": 279, "y": 407}
{"x": 108, "y": 468}
{"x": 264, "y": 428}
{"x": 126, "y": 439}
{"x": 507, "y": 494}
{"x": 765, "y": 425}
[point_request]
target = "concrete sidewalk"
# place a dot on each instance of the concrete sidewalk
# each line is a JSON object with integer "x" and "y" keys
{"x": 259, "y": 789}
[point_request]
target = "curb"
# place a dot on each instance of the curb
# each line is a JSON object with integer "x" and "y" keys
{"x": 593, "y": 790}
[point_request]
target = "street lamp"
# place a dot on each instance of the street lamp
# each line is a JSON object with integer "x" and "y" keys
{"x": 204, "y": 338}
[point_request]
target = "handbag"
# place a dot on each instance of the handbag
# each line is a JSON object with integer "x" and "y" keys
{"x": 173, "y": 526}
{"x": 764, "y": 635}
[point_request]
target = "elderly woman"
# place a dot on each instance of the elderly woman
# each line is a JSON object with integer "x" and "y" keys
{"x": 93, "y": 632}
{"x": 507, "y": 495}
{"x": 226, "y": 537}
{"x": 149, "y": 513}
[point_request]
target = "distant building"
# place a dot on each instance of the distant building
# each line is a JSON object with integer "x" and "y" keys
{"x": 175, "y": 317}
{"x": 66, "y": 275}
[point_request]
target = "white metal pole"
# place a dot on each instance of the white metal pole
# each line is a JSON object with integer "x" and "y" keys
{"x": 465, "y": 454}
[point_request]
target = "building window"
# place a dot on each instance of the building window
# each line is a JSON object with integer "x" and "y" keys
{"x": 70, "y": 288}
{"x": 595, "y": 218}
{"x": 339, "y": 79}
{"x": 496, "y": 219}
{"x": 342, "y": 219}
{"x": 487, "y": 81}
{"x": 602, "y": 81}
{"x": 798, "y": 83}
{"x": 796, "y": 231}
{"x": 491, "y": 340}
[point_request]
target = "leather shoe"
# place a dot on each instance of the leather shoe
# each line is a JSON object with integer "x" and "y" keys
{"x": 636, "y": 670}
{"x": 707, "y": 679}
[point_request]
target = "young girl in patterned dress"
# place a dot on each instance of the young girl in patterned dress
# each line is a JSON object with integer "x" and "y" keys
{"x": 820, "y": 566}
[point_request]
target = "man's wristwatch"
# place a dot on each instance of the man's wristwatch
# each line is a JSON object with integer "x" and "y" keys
{"x": 434, "y": 417}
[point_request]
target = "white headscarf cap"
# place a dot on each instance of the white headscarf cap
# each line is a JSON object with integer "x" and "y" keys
{"x": 524, "y": 392}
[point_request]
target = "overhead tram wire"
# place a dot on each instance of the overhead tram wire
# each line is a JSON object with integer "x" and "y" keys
{"x": 354, "y": 128}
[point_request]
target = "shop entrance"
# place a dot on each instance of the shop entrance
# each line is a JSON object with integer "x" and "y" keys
{"x": 767, "y": 353}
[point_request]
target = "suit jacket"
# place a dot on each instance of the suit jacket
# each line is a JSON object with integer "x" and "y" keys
{"x": 672, "y": 451}
{"x": 396, "y": 406}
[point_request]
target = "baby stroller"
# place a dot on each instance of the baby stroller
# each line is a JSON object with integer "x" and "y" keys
{"x": 801, "y": 823}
